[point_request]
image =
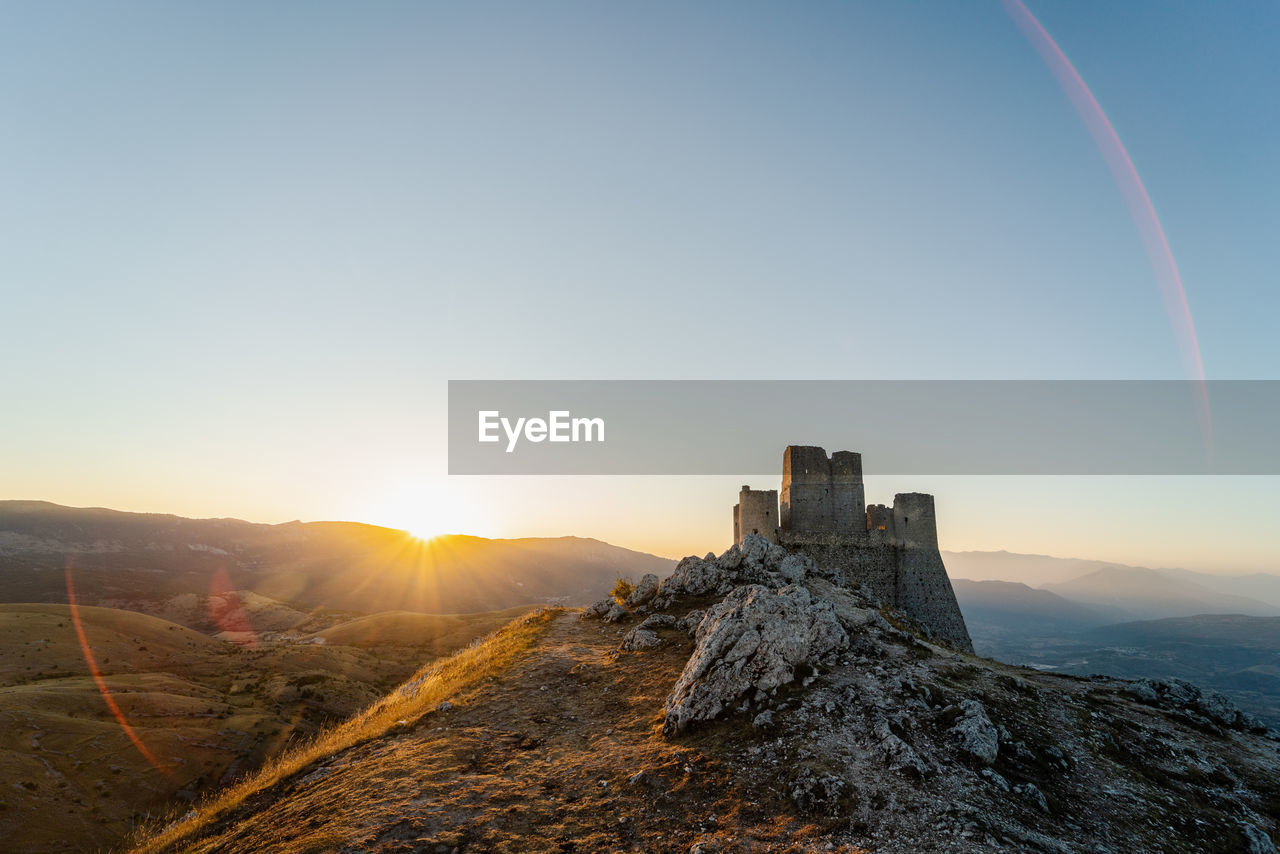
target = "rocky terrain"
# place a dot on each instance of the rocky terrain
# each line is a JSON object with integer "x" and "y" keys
{"x": 757, "y": 702}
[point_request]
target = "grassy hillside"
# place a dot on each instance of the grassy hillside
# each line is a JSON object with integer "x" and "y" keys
{"x": 538, "y": 752}
{"x": 430, "y": 634}
{"x": 455, "y": 678}
{"x": 205, "y": 710}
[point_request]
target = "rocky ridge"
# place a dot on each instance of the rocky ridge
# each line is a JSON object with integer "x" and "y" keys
{"x": 900, "y": 743}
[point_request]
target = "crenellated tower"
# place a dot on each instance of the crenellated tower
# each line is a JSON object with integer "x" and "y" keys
{"x": 822, "y": 512}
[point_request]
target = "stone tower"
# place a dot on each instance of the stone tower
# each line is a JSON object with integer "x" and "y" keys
{"x": 893, "y": 551}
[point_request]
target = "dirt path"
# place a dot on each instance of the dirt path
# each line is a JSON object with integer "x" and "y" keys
{"x": 560, "y": 752}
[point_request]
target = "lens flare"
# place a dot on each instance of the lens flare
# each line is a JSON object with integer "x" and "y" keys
{"x": 1135, "y": 196}
{"x": 101, "y": 683}
{"x": 227, "y": 611}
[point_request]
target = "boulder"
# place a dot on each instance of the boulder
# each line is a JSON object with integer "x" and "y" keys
{"x": 974, "y": 733}
{"x": 751, "y": 643}
{"x": 639, "y": 638}
{"x": 616, "y": 614}
{"x": 643, "y": 592}
{"x": 599, "y": 609}
{"x": 757, "y": 561}
{"x": 1033, "y": 794}
{"x": 658, "y": 621}
{"x": 694, "y": 577}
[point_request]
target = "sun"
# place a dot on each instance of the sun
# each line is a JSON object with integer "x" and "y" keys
{"x": 425, "y": 511}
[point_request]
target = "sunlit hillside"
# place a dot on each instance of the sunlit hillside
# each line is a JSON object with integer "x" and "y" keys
{"x": 175, "y": 714}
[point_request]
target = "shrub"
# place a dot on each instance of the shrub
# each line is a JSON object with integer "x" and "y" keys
{"x": 622, "y": 588}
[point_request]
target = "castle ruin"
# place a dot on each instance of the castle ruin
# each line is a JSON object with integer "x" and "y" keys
{"x": 892, "y": 551}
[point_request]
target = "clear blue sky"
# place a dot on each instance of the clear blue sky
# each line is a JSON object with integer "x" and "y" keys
{"x": 244, "y": 245}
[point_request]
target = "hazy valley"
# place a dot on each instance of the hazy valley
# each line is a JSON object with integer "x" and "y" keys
{"x": 1222, "y": 632}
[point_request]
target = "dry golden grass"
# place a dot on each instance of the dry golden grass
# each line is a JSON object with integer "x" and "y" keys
{"x": 403, "y": 707}
{"x": 559, "y": 749}
{"x": 433, "y": 634}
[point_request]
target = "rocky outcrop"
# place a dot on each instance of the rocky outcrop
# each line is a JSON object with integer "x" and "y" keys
{"x": 645, "y": 635}
{"x": 599, "y": 609}
{"x": 975, "y": 734}
{"x": 751, "y": 643}
{"x": 689, "y": 622}
{"x": 643, "y": 592}
{"x": 1215, "y": 708}
{"x": 858, "y": 714}
{"x": 640, "y": 638}
{"x": 757, "y": 561}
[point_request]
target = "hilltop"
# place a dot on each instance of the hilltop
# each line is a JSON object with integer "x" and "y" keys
{"x": 754, "y": 702}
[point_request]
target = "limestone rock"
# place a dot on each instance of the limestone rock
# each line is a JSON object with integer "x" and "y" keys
{"x": 599, "y": 609}
{"x": 1183, "y": 696}
{"x": 694, "y": 577}
{"x": 757, "y": 561}
{"x": 819, "y": 794}
{"x": 658, "y": 621}
{"x": 975, "y": 734}
{"x": 689, "y": 622}
{"x": 1258, "y": 841}
{"x": 616, "y": 614}
{"x": 751, "y": 642}
{"x": 794, "y": 568}
{"x": 1033, "y": 794}
{"x": 643, "y": 592}
{"x": 640, "y": 638}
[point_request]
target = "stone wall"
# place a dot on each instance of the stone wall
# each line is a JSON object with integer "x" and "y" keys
{"x": 822, "y": 494}
{"x": 925, "y": 592}
{"x": 880, "y": 518}
{"x": 873, "y": 564}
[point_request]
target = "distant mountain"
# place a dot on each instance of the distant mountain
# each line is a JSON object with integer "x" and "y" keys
{"x": 1011, "y": 603}
{"x": 1150, "y": 594}
{"x": 1260, "y": 585}
{"x": 1258, "y": 589}
{"x": 1032, "y": 570}
{"x": 1006, "y": 618}
{"x": 122, "y": 557}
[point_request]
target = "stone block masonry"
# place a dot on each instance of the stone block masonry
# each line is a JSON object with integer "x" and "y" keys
{"x": 893, "y": 551}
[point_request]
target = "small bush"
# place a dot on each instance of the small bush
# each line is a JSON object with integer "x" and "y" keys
{"x": 622, "y": 588}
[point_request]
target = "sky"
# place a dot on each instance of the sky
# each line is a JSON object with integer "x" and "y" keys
{"x": 244, "y": 246}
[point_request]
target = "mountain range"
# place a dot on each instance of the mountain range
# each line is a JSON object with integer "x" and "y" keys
{"x": 133, "y": 559}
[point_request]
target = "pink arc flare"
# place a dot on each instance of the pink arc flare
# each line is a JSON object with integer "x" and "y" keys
{"x": 1135, "y": 196}
{"x": 100, "y": 681}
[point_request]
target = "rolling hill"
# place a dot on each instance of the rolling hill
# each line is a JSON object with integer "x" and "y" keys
{"x": 205, "y": 711}
{"x": 138, "y": 560}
